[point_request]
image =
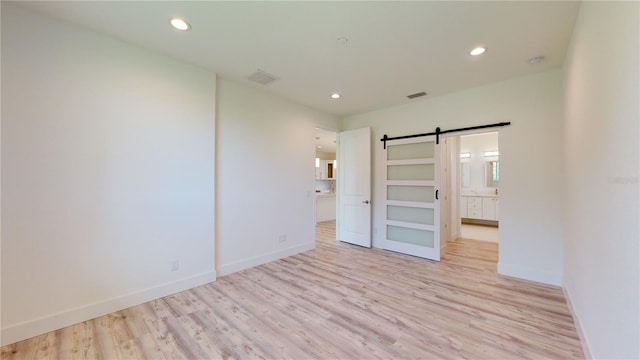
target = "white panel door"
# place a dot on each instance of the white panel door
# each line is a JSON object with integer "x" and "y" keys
{"x": 354, "y": 187}
{"x": 412, "y": 205}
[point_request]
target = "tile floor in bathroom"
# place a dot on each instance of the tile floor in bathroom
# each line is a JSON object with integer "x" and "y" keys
{"x": 479, "y": 232}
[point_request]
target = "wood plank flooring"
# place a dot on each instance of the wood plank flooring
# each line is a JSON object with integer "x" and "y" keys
{"x": 338, "y": 301}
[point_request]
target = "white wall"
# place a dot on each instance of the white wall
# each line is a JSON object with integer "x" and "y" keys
{"x": 530, "y": 189}
{"x": 107, "y": 174}
{"x": 266, "y": 176}
{"x": 601, "y": 158}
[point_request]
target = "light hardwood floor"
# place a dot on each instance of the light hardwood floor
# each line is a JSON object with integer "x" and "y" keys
{"x": 479, "y": 232}
{"x": 336, "y": 302}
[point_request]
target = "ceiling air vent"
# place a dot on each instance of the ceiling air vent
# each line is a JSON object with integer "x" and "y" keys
{"x": 262, "y": 77}
{"x": 413, "y": 96}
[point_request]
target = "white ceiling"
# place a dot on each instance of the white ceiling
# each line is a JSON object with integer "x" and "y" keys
{"x": 394, "y": 48}
{"x": 326, "y": 140}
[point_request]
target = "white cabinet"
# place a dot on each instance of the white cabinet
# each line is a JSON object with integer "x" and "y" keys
{"x": 479, "y": 207}
{"x": 490, "y": 208}
{"x": 474, "y": 207}
{"x": 463, "y": 207}
{"x": 325, "y": 207}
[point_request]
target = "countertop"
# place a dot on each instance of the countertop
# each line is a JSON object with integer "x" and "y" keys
{"x": 481, "y": 195}
{"x": 325, "y": 194}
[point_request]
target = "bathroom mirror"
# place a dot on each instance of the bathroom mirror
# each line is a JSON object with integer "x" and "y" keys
{"x": 492, "y": 174}
{"x": 465, "y": 175}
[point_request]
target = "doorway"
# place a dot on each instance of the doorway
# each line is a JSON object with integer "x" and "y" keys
{"x": 349, "y": 188}
{"x": 473, "y": 160}
{"x": 326, "y": 170}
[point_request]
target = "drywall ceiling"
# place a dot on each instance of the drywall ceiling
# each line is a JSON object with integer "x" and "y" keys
{"x": 393, "y": 49}
{"x": 325, "y": 141}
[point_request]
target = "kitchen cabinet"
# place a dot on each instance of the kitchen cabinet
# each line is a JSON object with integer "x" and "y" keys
{"x": 325, "y": 207}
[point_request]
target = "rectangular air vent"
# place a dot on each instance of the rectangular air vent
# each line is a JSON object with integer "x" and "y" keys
{"x": 262, "y": 77}
{"x": 413, "y": 96}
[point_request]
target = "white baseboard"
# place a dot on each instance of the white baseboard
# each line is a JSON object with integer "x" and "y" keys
{"x": 529, "y": 274}
{"x": 263, "y": 259}
{"x": 31, "y": 328}
{"x": 586, "y": 349}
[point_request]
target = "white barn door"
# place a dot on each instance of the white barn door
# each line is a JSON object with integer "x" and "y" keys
{"x": 412, "y": 206}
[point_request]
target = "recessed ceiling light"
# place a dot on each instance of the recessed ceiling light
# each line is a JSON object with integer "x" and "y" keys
{"x": 335, "y": 96}
{"x": 319, "y": 147}
{"x": 477, "y": 51}
{"x": 180, "y": 24}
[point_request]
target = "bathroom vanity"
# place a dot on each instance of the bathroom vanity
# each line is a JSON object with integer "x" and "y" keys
{"x": 479, "y": 207}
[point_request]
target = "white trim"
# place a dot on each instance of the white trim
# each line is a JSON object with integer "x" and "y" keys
{"x": 409, "y": 225}
{"x": 417, "y": 139}
{"x": 586, "y": 349}
{"x": 529, "y": 274}
{"x": 411, "y": 183}
{"x": 473, "y": 132}
{"x": 31, "y": 328}
{"x": 263, "y": 259}
{"x": 428, "y": 253}
{"x": 415, "y": 204}
{"x": 422, "y": 161}
{"x": 327, "y": 128}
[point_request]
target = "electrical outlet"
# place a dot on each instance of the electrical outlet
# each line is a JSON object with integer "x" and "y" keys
{"x": 175, "y": 265}
{"x": 282, "y": 238}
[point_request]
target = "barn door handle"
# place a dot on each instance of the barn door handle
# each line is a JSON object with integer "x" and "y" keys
{"x": 365, "y": 202}
{"x": 436, "y": 194}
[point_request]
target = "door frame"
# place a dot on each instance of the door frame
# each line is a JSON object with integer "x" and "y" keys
{"x": 313, "y": 191}
{"x": 454, "y": 162}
